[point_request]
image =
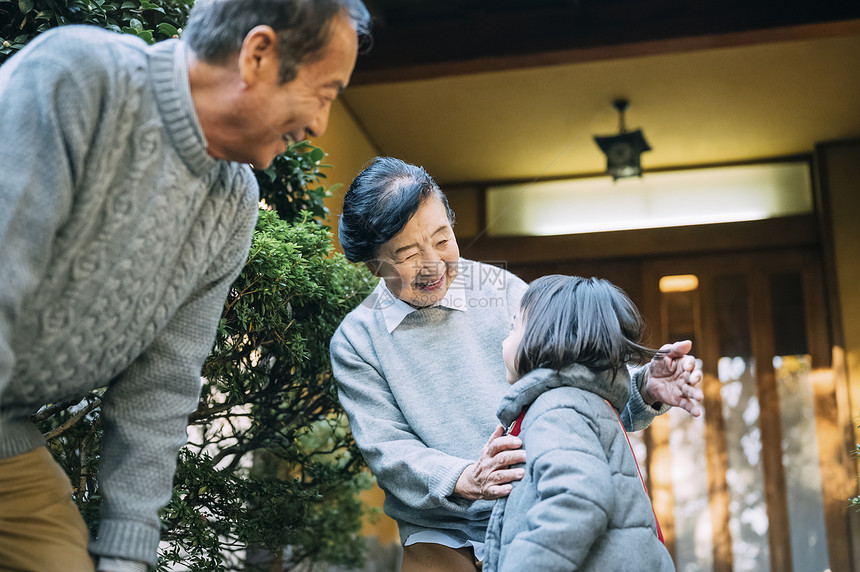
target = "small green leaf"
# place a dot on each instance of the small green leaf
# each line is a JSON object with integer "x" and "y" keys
{"x": 316, "y": 154}
{"x": 167, "y": 29}
{"x": 25, "y": 6}
{"x": 146, "y": 36}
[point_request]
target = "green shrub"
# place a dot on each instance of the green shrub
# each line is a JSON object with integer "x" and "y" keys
{"x": 292, "y": 186}
{"x": 271, "y": 462}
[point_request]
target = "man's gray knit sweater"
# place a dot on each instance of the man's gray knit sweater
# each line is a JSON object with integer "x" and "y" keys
{"x": 119, "y": 239}
{"x": 422, "y": 399}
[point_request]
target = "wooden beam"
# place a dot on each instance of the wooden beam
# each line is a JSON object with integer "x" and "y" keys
{"x": 791, "y": 231}
{"x": 660, "y": 479}
{"x": 716, "y": 449}
{"x": 656, "y": 437}
{"x": 837, "y": 483}
{"x": 829, "y": 385}
{"x": 770, "y": 424}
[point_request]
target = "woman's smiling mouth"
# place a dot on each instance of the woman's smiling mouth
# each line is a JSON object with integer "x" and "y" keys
{"x": 433, "y": 285}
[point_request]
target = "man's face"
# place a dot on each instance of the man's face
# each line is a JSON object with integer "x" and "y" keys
{"x": 420, "y": 262}
{"x": 299, "y": 109}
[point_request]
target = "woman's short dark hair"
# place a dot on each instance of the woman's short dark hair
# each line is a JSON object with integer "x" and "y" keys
{"x": 379, "y": 203}
{"x": 573, "y": 320}
{"x": 216, "y": 28}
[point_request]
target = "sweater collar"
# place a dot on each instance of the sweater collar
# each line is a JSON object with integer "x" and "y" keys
{"x": 169, "y": 75}
{"x": 615, "y": 390}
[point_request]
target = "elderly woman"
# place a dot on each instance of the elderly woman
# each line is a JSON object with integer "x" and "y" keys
{"x": 420, "y": 370}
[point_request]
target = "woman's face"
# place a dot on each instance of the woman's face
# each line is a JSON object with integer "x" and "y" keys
{"x": 420, "y": 262}
{"x": 510, "y": 347}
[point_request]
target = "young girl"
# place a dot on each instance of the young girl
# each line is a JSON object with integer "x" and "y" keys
{"x": 582, "y": 504}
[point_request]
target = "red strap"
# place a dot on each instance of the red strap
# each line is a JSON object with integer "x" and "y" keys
{"x": 659, "y": 530}
{"x": 517, "y": 425}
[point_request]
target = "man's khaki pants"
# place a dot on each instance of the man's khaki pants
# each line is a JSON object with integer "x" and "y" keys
{"x": 429, "y": 557}
{"x": 41, "y": 529}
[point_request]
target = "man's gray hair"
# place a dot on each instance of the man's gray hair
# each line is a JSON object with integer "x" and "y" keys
{"x": 217, "y": 28}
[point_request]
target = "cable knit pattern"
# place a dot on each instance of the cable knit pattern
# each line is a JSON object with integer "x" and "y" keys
{"x": 119, "y": 239}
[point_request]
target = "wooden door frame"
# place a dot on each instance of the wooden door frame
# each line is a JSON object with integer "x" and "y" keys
{"x": 834, "y": 460}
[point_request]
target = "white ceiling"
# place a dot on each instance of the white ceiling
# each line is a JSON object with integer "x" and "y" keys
{"x": 706, "y": 102}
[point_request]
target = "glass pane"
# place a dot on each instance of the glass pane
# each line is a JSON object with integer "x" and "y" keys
{"x": 713, "y": 195}
{"x": 748, "y": 522}
{"x": 693, "y": 531}
{"x": 801, "y": 463}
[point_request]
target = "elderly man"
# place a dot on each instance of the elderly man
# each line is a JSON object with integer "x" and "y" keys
{"x": 127, "y": 213}
{"x": 420, "y": 369}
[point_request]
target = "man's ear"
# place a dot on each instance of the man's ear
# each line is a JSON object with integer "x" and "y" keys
{"x": 258, "y": 57}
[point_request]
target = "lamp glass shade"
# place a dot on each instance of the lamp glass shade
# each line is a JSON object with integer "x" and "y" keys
{"x": 623, "y": 153}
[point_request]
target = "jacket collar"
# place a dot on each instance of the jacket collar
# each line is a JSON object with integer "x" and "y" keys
{"x": 614, "y": 389}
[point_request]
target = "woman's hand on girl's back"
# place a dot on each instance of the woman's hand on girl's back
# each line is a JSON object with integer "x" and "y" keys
{"x": 490, "y": 476}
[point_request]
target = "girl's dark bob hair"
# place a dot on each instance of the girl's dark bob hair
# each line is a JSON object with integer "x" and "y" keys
{"x": 573, "y": 320}
{"x": 378, "y": 204}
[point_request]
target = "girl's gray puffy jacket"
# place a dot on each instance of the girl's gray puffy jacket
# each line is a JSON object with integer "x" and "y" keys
{"x": 581, "y": 504}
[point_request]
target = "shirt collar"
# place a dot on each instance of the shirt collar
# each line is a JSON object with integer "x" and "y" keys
{"x": 394, "y": 310}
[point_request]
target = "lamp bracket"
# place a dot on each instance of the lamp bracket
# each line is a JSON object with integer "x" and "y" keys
{"x": 621, "y": 106}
